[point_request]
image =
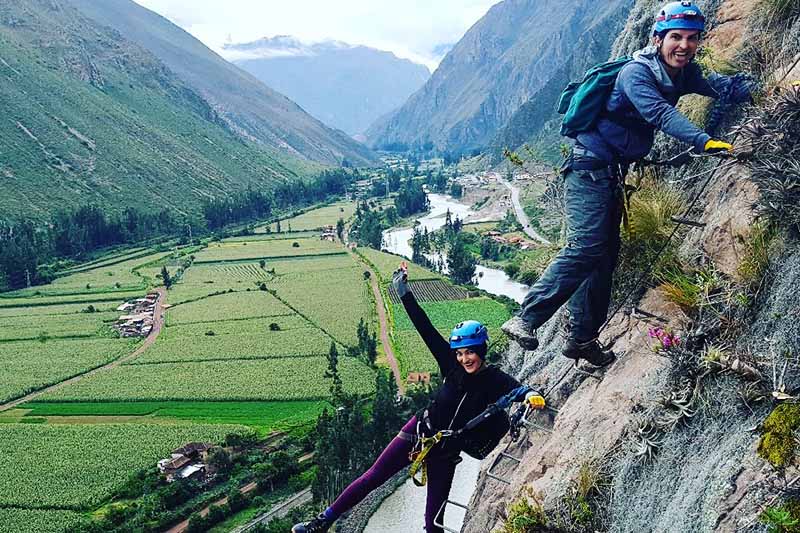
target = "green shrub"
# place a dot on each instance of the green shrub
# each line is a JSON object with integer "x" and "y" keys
{"x": 783, "y": 519}
{"x": 525, "y": 514}
{"x": 758, "y": 246}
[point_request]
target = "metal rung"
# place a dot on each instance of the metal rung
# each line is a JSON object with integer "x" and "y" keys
{"x": 687, "y": 222}
{"x": 536, "y": 425}
{"x": 504, "y": 454}
{"x": 438, "y": 520}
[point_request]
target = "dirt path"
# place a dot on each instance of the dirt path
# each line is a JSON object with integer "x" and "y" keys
{"x": 158, "y": 322}
{"x": 521, "y": 216}
{"x": 380, "y": 306}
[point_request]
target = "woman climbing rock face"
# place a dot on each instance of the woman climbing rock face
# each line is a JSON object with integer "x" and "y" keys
{"x": 469, "y": 387}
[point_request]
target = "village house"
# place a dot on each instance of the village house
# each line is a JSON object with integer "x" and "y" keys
{"x": 187, "y": 462}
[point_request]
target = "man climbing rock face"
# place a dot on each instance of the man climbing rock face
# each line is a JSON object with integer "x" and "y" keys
{"x": 642, "y": 100}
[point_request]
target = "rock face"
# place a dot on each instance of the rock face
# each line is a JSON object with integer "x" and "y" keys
{"x": 250, "y": 108}
{"x": 674, "y": 445}
{"x": 503, "y": 60}
{"x": 346, "y": 87}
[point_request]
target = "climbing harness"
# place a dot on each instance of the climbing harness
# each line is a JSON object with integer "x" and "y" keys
{"x": 424, "y": 445}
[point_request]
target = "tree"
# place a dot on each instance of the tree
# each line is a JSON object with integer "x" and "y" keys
{"x": 165, "y": 277}
{"x": 221, "y": 460}
{"x": 460, "y": 262}
{"x": 333, "y": 372}
{"x": 340, "y": 228}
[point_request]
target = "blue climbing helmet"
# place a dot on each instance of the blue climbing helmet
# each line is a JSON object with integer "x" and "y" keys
{"x": 679, "y": 16}
{"x": 468, "y": 333}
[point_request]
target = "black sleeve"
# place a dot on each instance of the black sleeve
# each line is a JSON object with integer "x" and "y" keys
{"x": 438, "y": 345}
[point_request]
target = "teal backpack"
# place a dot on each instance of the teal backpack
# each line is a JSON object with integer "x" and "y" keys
{"x": 582, "y": 101}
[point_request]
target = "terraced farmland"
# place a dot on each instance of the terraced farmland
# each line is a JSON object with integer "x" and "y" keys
{"x": 72, "y": 325}
{"x": 115, "y": 276}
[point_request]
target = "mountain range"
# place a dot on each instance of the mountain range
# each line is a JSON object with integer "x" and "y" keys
{"x": 345, "y": 86}
{"x": 517, "y": 50}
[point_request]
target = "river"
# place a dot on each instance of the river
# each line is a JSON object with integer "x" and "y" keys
{"x": 403, "y": 511}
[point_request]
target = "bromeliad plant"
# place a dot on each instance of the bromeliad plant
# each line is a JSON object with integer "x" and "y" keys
{"x": 664, "y": 339}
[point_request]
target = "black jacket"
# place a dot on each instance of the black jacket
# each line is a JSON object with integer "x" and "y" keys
{"x": 473, "y": 392}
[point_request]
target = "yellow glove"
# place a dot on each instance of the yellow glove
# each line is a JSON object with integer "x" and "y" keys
{"x": 796, "y": 83}
{"x": 715, "y": 147}
{"x": 535, "y": 400}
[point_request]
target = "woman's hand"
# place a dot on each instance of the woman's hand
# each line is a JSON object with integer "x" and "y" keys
{"x": 400, "y": 280}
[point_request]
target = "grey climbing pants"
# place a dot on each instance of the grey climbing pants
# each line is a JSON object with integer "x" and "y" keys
{"x": 581, "y": 275}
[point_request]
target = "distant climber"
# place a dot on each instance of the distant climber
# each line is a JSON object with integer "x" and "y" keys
{"x": 470, "y": 386}
{"x": 641, "y": 98}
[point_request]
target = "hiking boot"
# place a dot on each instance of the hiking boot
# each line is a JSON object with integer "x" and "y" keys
{"x": 521, "y": 332}
{"x": 590, "y": 351}
{"x": 319, "y": 525}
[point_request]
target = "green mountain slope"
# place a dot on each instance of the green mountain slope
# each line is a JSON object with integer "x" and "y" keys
{"x": 91, "y": 118}
{"x": 244, "y": 103}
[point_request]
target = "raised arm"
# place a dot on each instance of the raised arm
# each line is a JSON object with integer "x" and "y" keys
{"x": 438, "y": 345}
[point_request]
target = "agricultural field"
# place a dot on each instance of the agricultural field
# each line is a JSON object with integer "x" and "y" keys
{"x": 31, "y": 365}
{"x": 262, "y": 416}
{"x": 258, "y": 236}
{"x": 110, "y": 259}
{"x": 446, "y": 314}
{"x": 255, "y": 250}
{"x": 36, "y": 521}
{"x": 71, "y": 467}
{"x": 228, "y": 306}
{"x": 385, "y": 264}
{"x": 316, "y": 218}
{"x": 58, "y": 326}
{"x": 252, "y": 326}
{"x": 44, "y": 311}
{"x": 432, "y": 291}
{"x": 332, "y": 300}
{"x": 263, "y": 345}
{"x": 112, "y": 277}
{"x": 267, "y": 380}
{"x": 34, "y": 300}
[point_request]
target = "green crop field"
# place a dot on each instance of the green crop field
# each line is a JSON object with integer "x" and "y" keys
{"x": 31, "y": 365}
{"x": 386, "y": 263}
{"x": 117, "y": 276}
{"x": 268, "y": 415}
{"x": 316, "y": 218}
{"x": 252, "y": 326}
{"x": 229, "y": 306}
{"x": 43, "y": 311}
{"x": 35, "y": 521}
{"x": 72, "y": 325}
{"x": 444, "y": 315}
{"x": 333, "y": 300}
{"x": 254, "y": 250}
{"x": 38, "y": 300}
{"x": 267, "y": 380}
{"x": 77, "y": 467}
{"x": 259, "y": 236}
{"x": 265, "y": 345}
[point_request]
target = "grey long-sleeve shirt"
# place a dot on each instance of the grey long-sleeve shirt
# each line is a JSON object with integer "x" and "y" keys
{"x": 642, "y": 101}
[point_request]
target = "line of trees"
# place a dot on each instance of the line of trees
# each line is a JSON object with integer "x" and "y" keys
{"x": 29, "y": 251}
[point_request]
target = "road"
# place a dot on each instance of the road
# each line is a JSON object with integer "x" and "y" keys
{"x": 158, "y": 322}
{"x": 521, "y": 216}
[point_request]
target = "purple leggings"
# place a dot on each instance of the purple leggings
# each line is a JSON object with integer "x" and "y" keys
{"x": 393, "y": 459}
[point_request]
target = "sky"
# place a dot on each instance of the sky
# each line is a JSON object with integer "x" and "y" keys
{"x": 412, "y": 29}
